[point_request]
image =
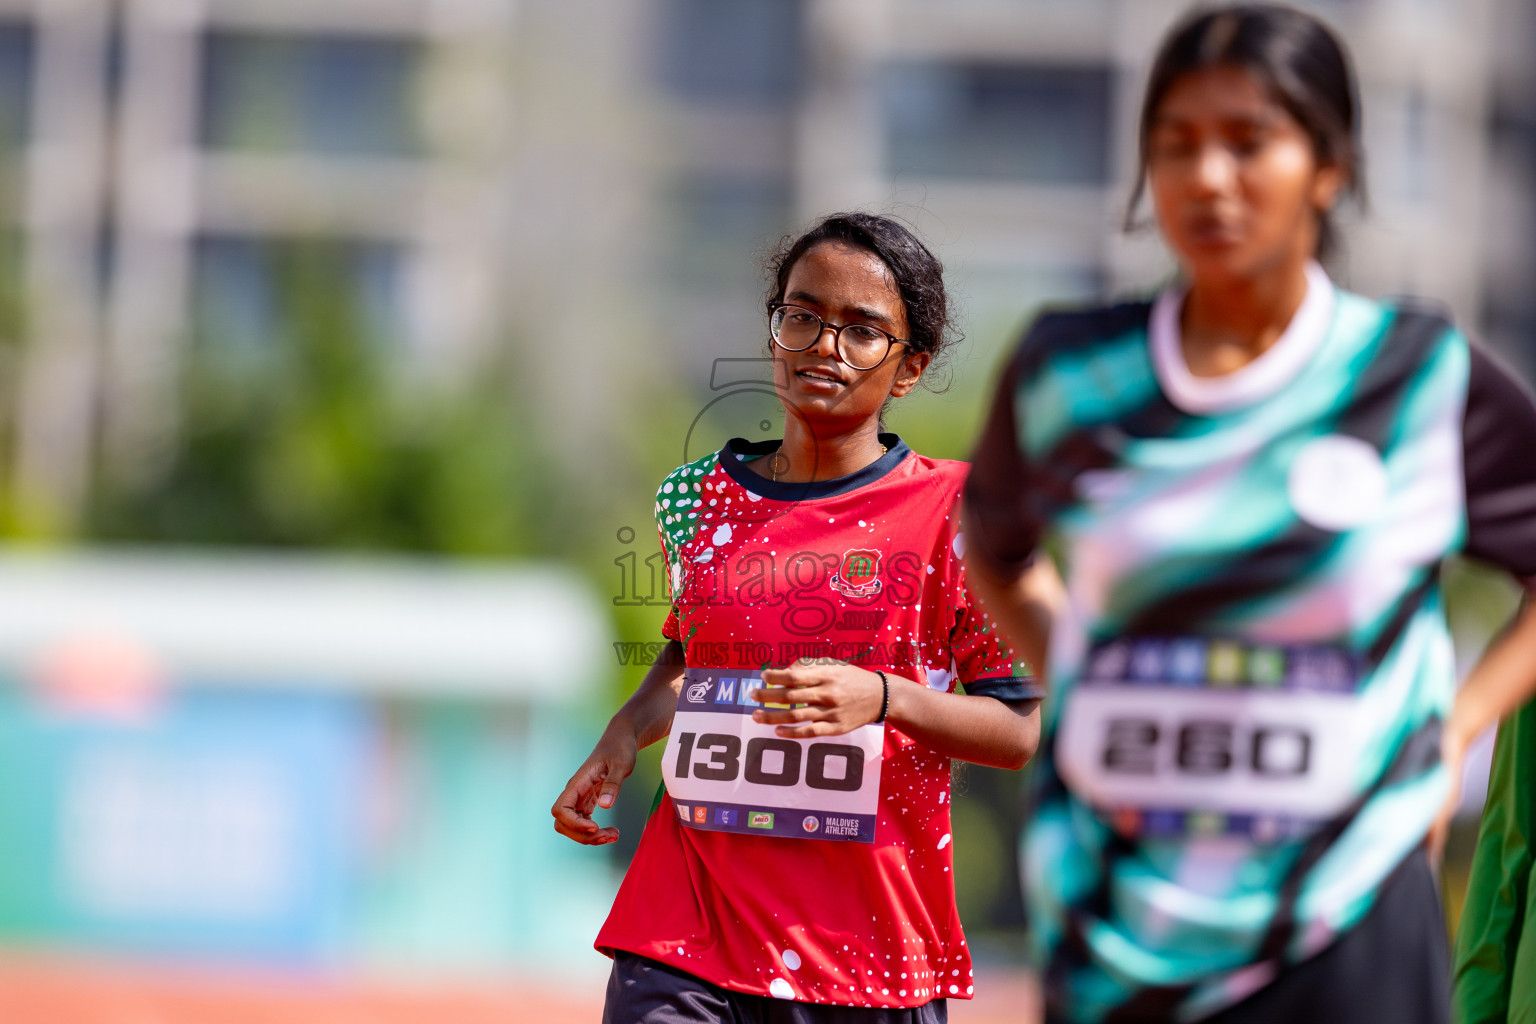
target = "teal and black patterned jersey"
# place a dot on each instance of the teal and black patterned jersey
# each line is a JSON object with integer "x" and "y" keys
{"x": 1248, "y": 684}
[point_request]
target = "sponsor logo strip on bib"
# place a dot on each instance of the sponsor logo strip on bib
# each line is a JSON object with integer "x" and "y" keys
{"x": 727, "y": 773}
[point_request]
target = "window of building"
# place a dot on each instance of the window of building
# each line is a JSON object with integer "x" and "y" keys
{"x": 735, "y": 51}
{"x": 721, "y": 224}
{"x": 15, "y": 84}
{"x": 1406, "y": 120}
{"x": 719, "y": 227}
{"x": 997, "y": 122}
{"x": 253, "y": 296}
{"x": 335, "y": 95}
{"x": 1509, "y": 305}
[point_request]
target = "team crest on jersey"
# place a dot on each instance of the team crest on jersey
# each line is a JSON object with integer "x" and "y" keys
{"x": 860, "y": 573}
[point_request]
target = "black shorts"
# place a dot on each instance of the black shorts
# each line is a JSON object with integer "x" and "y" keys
{"x": 642, "y": 991}
{"x": 1391, "y": 968}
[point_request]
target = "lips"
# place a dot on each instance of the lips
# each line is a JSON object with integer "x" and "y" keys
{"x": 822, "y": 377}
{"x": 1214, "y": 230}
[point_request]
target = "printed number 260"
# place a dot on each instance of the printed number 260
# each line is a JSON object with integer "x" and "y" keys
{"x": 725, "y": 761}
{"x": 1207, "y": 747}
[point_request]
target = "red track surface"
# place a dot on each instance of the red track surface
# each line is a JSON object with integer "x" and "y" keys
{"x": 34, "y": 991}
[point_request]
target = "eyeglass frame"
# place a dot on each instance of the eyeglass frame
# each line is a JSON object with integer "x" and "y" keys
{"x": 837, "y": 336}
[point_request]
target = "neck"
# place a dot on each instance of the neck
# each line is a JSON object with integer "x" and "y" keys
{"x": 826, "y": 453}
{"x": 1228, "y": 324}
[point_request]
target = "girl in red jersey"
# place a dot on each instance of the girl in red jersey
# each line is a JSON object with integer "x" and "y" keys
{"x": 799, "y": 867}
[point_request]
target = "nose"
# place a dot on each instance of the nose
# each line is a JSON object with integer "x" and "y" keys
{"x": 1214, "y": 170}
{"x": 826, "y": 343}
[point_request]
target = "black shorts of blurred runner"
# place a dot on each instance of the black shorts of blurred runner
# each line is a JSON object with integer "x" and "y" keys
{"x": 642, "y": 991}
{"x": 1391, "y": 968}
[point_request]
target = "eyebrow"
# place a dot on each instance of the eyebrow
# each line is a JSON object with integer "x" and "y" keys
{"x": 1261, "y": 120}
{"x": 862, "y": 312}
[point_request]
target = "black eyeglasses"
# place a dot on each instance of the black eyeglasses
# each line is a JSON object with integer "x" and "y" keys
{"x": 861, "y": 346}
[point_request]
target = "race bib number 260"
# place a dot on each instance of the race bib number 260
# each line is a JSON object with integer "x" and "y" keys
{"x": 727, "y": 773}
{"x": 1189, "y": 735}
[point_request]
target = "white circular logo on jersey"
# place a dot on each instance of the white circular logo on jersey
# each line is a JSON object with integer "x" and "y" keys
{"x": 1337, "y": 482}
{"x": 811, "y": 823}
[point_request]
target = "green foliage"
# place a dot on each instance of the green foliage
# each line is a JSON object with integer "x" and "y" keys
{"x": 1479, "y": 602}
{"x": 322, "y": 439}
{"x": 316, "y": 444}
{"x": 13, "y": 321}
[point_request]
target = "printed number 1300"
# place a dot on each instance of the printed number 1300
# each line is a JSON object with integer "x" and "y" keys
{"x": 725, "y": 761}
{"x": 1207, "y": 747}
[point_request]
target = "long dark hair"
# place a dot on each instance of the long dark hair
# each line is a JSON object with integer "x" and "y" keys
{"x": 918, "y": 273}
{"x": 1292, "y": 54}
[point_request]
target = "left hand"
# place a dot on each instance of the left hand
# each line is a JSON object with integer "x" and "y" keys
{"x": 839, "y": 698}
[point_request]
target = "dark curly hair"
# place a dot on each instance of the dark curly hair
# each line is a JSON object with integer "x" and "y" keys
{"x": 918, "y": 273}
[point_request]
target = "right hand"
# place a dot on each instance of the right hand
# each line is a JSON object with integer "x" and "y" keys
{"x": 595, "y": 784}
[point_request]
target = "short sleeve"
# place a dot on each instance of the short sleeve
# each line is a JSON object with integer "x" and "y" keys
{"x": 1499, "y": 462}
{"x": 984, "y": 663}
{"x": 672, "y": 629}
{"x": 1006, "y": 527}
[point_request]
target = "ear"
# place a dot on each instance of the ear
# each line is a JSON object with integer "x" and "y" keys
{"x": 912, "y": 366}
{"x": 1327, "y": 185}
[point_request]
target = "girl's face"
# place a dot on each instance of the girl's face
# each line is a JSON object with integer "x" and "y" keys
{"x": 1234, "y": 177}
{"x": 844, "y": 285}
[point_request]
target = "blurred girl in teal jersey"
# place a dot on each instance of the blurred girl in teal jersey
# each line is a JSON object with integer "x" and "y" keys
{"x": 1251, "y": 482}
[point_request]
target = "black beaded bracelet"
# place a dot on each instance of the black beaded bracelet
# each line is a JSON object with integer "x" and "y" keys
{"x": 885, "y": 700}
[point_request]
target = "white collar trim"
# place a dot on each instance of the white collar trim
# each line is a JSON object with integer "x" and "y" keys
{"x": 1276, "y": 367}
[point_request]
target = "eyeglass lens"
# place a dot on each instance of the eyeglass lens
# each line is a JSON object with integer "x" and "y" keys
{"x": 860, "y": 345}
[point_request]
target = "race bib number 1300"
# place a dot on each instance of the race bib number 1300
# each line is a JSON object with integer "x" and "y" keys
{"x": 727, "y": 773}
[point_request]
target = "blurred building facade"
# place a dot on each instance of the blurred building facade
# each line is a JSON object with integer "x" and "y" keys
{"x": 1016, "y": 125}
{"x": 162, "y": 155}
{"x": 594, "y": 180}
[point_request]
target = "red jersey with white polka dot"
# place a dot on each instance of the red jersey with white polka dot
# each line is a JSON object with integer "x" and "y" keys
{"x": 866, "y": 569}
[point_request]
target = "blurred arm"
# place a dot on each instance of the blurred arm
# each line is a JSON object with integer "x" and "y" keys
{"x": 1002, "y": 527}
{"x": 1500, "y": 488}
{"x": 1021, "y": 598}
{"x": 1501, "y": 681}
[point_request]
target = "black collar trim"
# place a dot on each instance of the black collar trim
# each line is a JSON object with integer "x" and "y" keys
{"x": 736, "y": 449}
